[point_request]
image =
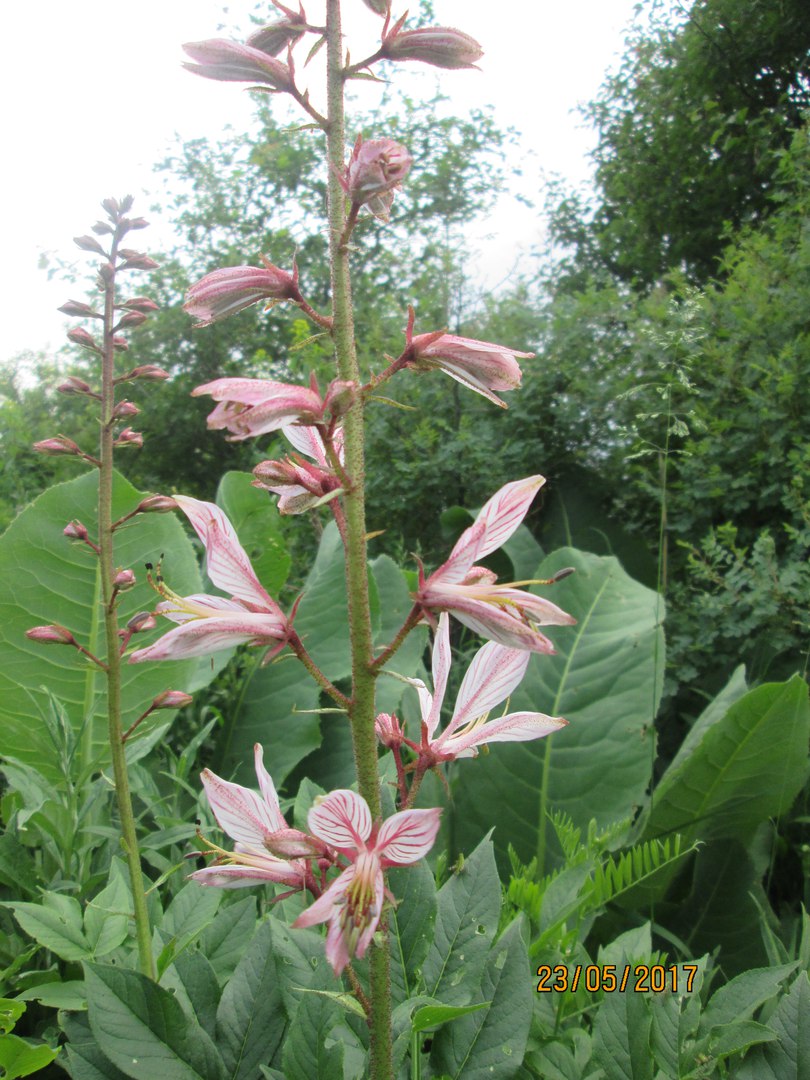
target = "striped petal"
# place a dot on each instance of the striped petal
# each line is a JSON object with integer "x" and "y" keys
{"x": 514, "y": 727}
{"x": 342, "y": 818}
{"x": 407, "y": 836}
{"x": 200, "y": 637}
{"x": 491, "y": 677}
{"x": 243, "y": 814}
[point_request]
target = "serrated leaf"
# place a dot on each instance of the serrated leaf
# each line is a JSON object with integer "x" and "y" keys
{"x": 622, "y": 1037}
{"x": 311, "y": 1048}
{"x": 56, "y": 924}
{"x": 106, "y": 918}
{"x": 605, "y": 679}
{"x": 224, "y": 940}
{"x": 250, "y": 1017}
{"x": 411, "y": 925}
{"x": 45, "y": 579}
{"x": 467, "y": 914}
{"x": 143, "y": 1029}
{"x": 785, "y": 1058}
{"x": 85, "y": 1061}
{"x": 195, "y": 985}
{"x": 491, "y": 1043}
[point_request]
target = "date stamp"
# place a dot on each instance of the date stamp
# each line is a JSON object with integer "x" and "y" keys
{"x": 638, "y": 978}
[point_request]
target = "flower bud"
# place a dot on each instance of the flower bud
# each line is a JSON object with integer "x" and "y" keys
{"x": 146, "y": 371}
{"x": 89, "y": 243}
{"x": 389, "y": 730}
{"x": 441, "y": 46}
{"x": 113, "y": 207}
{"x": 128, "y": 437}
{"x": 125, "y": 408}
{"x": 379, "y": 7}
{"x": 156, "y": 504}
{"x": 280, "y": 35}
{"x": 233, "y": 288}
{"x": 120, "y": 343}
{"x": 101, "y": 228}
{"x": 136, "y": 260}
{"x": 51, "y": 635}
{"x": 376, "y": 168}
{"x": 133, "y": 223}
{"x": 132, "y": 318}
{"x": 140, "y": 303}
{"x": 79, "y": 336}
{"x": 294, "y": 844}
{"x": 74, "y": 385}
{"x": 228, "y": 61}
{"x": 106, "y": 273}
{"x": 58, "y": 444}
{"x": 75, "y": 531}
{"x": 172, "y": 699}
{"x": 144, "y": 620}
{"x": 83, "y": 311}
{"x": 124, "y": 579}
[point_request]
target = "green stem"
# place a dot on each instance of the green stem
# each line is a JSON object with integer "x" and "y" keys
{"x": 361, "y": 711}
{"x": 107, "y": 567}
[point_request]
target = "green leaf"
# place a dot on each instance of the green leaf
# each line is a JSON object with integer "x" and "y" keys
{"x": 224, "y": 940}
{"x": 56, "y": 924}
{"x": 310, "y": 1048}
{"x": 250, "y": 1017}
{"x": 195, "y": 985}
{"x": 58, "y": 995}
{"x": 11, "y": 1009}
{"x": 411, "y": 925}
{"x": 469, "y": 905}
{"x": 622, "y": 1037}
{"x": 258, "y": 525}
{"x": 747, "y": 766}
{"x": 19, "y": 1058}
{"x": 786, "y": 1058}
{"x": 192, "y": 909}
{"x": 85, "y": 1061}
{"x": 106, "y": 917}
{"x": 736, "y": 1038}
{"x": 742, "y": 996}
{"x": 143, "y": 1029}
{"x": 492, "y": 1042}
{"x": 605, "y": 679}
{"x": 431, "y": 1017}
{"x": 45, "y": 579}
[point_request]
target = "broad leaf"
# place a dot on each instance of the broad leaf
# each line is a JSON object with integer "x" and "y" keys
{"x": 56, "y": 924}
{"x": 786, "y": 1058}
{"x": 411, "y": 925}
{"x": 605, "y": 679}
{"x": 311, "y": 1048}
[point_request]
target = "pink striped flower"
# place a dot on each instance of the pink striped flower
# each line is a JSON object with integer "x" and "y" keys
{"x": 502, "y": 613}
{"x": 229, "y": 61}
{"x": 479, "y": 365}
{"x": 233, "y": 288}
{"x": 491, "y": 677}
{"x": 210, "y": 623}
{"x": 352, "y": 904}
{"x": 251, "y": 407}
{"x": 266, "y": 849}
{"x": 376, "y": 169}
{"x": 301, "y": 485}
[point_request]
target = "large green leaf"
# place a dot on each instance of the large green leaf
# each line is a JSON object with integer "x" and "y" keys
{"x": 44, "y": 578}
{"x": 786, "y": 1058}
{"x": 143, "y": 1029}
{"x": 744, "y": 767}
{"x": 411, "y": 925}
{"x": 258, "y": 524}
{"x": 605, "y": 679}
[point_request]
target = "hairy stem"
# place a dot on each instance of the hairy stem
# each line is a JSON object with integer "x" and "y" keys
{"x": 361, "y": 712}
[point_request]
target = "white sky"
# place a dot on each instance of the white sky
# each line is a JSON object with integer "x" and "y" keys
{"x": 93, "y": 94}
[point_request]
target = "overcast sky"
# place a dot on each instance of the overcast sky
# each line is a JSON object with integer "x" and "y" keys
{"x": 94, "y": 95}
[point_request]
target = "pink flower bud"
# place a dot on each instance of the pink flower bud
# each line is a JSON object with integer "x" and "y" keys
{"x": 106, "y": 273}
{"x": 83, "y": 311}
{"x": 120, "y": 343}
{"x": 51, "y": 635}
{"x": 277, "y": 36}
{"x": 146, "y": 371}
{"x": 156, "y": 504}
{"x": 79, "y": 336}
{"x": 376, "y": 168}
{"x": 128, "y": 437}
{"x": 101, "y": 228}
{"x": 133, "y": 223}
{"x": 144, "y": 620}
{"x": 233, "y": 288}
{"x": 125, "y": 408}
{"x": 74, "y": 385}
{"x": 132, "y": 318}
{"x": 140, "y": 303}
{"x": 124, "y": 579}
{"x": 389, "y": 730}
{"x": 113, "y": 207}
{"x": 228, "y": 61}
{"x": 75, "y": 531}
{"x": 136, "y": 260}
{"x": 58, "y": 444}
{"x": 379, "y": 7}
{"x": 172, "y": 699}
{"x": 89, "y": 243}
{"x": 441, "y": 46}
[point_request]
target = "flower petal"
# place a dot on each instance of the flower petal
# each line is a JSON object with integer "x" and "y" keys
{"x": 342, "y": 818}
{"x": 267, "y": 788}
{"x": 241, "y": 877}
{"x": 243, "y": 814}
{"x": 502, "y": 514}
{"x": 407, "y": 836}
{"x": 442, "y": 658}
{"x": 199, "y": 637}
{"x": 514, "y": 727}
{"x": 491, "y": 677}
{"x": 493, "y": 622}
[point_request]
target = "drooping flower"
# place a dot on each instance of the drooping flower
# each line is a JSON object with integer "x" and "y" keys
{"x": 480, "y": 365}
{"x": 494, "y": 673}
{"x": 352, "y": 905}
{"x": 210, "y": 623}
{"x": 229, "y": 61}
{"x": 440, "y": 46}
{"x": 251, "y": 407}
{"x": 376, "y": 169}
{"x": 301, "y": 485}
{"x": 502, "y": 613}
{"x": 254, "y": 820}
{"x": 233, "y": 288}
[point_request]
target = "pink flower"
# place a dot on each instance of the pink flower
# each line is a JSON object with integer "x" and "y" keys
{"x": 301, "y": 485}
{"x": 491, "y": 677}
{"x": 352, "y": 904}
{"x": 232, "y": 288}
{"x": 376, "y": 169}
{"x": 257, "y": 825}
{"x": 281, "y": 34}
{"x": 210, "y": 623}
{"x": 500, "y": 612}
{"x": 441, "y": 46}
{"x": 228, "y": 61}
{"x": 479, "y": 365}
{"x": 251, "y": 407}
